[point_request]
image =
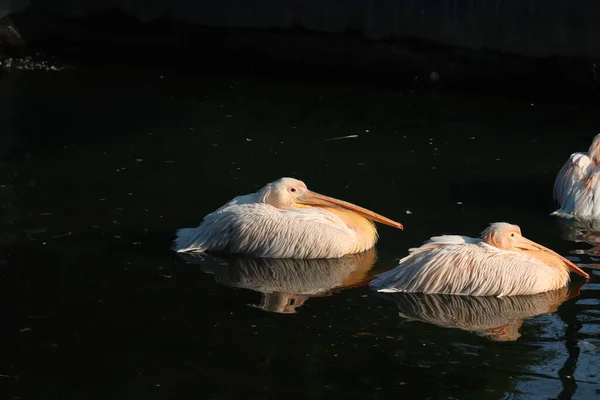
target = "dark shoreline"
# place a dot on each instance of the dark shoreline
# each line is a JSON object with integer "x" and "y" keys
{"x": 115, "y": 39}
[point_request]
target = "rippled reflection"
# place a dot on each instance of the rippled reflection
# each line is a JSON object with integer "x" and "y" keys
{"x": 580, "y": 230}
{"x": 286, "y": 284}
{"x": 497, "y": 318}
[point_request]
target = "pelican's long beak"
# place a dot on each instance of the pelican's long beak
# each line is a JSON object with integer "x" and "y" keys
{"x": 316, "y": 199}
{"x": 529, "y": 245}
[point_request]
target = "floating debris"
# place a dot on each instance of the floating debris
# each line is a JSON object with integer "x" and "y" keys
{"x": 341, "y": 137}
{"x": 63, "y": 235}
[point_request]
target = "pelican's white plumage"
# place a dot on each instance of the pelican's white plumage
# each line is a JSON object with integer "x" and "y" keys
{"x": 576, "y": 187}
{"x": 501, "y": 263}
{"x": 284, "y": 220}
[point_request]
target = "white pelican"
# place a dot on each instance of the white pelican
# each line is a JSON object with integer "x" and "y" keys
{"x": 285, "y": 220}
{"x": 576, "y": 187}
{"x": 501, "y": 263}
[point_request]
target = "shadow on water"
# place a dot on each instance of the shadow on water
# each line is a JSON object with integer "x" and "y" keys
{"x": 285, "y": 284}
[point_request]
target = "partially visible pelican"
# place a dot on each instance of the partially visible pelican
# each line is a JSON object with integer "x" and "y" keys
{"x": 496, "y": 318}
{"x": 576, "y": 187}
{"x": 286, "y": 283}
{"x": 285, "y": 220}
{"x": 501, "y": 263}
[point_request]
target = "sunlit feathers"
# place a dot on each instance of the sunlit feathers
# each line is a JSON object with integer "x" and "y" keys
{"x": 576, "y": 187}
{"x": 501, "y": 263}
{"x": 284, "y": 220}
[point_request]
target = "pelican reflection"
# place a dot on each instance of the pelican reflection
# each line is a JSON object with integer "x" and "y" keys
{"x": 285, "y": 284}
{"x": 582, "y": 230}
{"x": 496, "y": 318}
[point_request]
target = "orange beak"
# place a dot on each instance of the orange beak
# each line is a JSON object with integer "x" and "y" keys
{"x": 546, "y": 255}
{"x": 316, "y": 199}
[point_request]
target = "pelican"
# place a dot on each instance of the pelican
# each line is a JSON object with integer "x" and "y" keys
{"x": 576, "y": 187}
{"x": 501, "y": 263}
{"x": 285, "y": 220}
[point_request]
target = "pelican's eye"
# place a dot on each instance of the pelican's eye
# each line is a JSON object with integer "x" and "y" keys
{"x": 292, "y": 190}
{"x": 512, "y": 234}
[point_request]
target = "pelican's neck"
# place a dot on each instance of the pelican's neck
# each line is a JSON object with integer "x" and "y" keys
{"x": 556, "y": 264}
{"x": 594, "y": 150}
{"x": 365, "y": 229}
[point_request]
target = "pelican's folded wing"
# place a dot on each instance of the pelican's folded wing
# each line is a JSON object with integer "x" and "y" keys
{"x": 442, "y": 240}
{"x": 569, "y": 185}
{"x": 464, "y": 269}
{"x": 262, "y": 230}
{"x": 587, "y": 199}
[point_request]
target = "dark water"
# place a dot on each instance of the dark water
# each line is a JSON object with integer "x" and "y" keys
{"x": 98, "y": 169}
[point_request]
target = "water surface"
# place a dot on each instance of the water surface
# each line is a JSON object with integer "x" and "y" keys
{"x": 99, "y": 168}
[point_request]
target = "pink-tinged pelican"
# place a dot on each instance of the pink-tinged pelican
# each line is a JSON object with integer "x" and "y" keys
{"x": 577, "y": 187}
{"x": 285, "y": 220}
{"x": 501, "y": 263}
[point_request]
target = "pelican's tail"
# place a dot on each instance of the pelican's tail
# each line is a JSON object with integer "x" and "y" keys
{"x": 386, "y": 282}
{"x": 186, "y": 239}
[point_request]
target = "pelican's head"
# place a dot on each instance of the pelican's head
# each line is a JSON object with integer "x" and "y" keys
{"x": 289, "y": 192}
{"x": 508, "y": 237}
{"x": 594, "y": 150}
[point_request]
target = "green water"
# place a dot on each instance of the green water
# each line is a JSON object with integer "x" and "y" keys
{"x": 98, "y": 170}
